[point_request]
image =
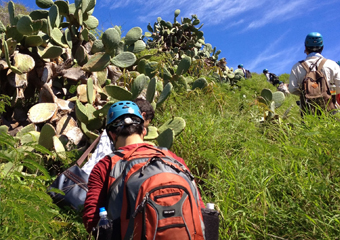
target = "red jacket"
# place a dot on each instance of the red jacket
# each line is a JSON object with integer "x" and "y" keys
{"x": 97, "y": 194}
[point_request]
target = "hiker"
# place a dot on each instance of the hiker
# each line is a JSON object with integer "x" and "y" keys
{"x": 315, "y": 61}
{"x": 283, "y": 87}
{"x": 246, "y": 72}
{"x": 125, "y": 128}
{"x": 105, "y": 146}
{"x": 271, "y": 77}
{"x": 240, "y": 66}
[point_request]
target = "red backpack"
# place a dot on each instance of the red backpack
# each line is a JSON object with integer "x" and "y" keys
{"x": 154, "y": 196}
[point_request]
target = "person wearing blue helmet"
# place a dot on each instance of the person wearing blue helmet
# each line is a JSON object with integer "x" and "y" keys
{"x": 105, "y": 145}
{"x": 125, "y": 127}
{"x": 314, "y": 44}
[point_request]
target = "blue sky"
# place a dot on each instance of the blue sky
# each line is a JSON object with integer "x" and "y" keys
{"x": 257, "y": 33}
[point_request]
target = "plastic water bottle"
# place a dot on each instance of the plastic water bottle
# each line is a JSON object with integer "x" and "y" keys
{"x": 333, "y": 89}
{"x": 104, "y": 227}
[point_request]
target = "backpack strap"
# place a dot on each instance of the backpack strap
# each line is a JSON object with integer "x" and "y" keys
{"x": 305, "y": 66}
{"x": 321, "y": 64}
{"x": 128, "y": 154}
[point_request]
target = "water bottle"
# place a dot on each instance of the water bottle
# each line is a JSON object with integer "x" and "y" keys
{"x": 104, "y": 227}
{"x": 333, "y": 89}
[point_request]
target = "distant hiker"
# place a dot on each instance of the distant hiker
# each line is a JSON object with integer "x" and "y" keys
{"x": 148, "y": 191}
{"x": 316, "y": 79}
{"x": 246, "y": 72}
{"x": 283, "y": 87}
{"x": 271, "y": 77}
{"x": 105, "y": 146}
{"x": 338, "y": 62}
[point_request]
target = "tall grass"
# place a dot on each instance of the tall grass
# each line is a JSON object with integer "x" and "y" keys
{"x": 270, "y": 181}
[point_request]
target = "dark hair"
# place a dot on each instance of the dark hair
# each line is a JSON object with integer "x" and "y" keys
{"x": 314, "y": 49}
{"x": 146, "y": 107}
{"x": 126, "y": 130}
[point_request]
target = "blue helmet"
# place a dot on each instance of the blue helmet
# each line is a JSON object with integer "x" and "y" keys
{"x": 265, "y": 70}
{"x": 314, "y": 39}
{"x": 122, "y": 108}
{"x": 241, "y": 65}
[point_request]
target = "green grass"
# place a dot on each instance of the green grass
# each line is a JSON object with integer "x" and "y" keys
{"x": 268, "y": 180}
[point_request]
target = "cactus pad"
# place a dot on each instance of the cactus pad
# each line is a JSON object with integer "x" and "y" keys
{"x": 25, "y": 63}
{"x": 81, "y": 112}
{"x": 44, "y": 3}
{"x": 278, "y": 98}
{"x": 133, "y": 35}
{"x": 111, "y": 39}
{"x": 46, "y": 136}
{"x": 33, "y": 41}
{"x": 30, "y": 127}
{"x": 138, "y": 85}
{"x": 42, "y": 112}
{"x": 124, "y": 59}
{"x": 177, "y": 124}
{"x": 97, "y": 62}
{"x": 183, "y": 65}
{"x": 200, "y": 83}
{"x": 59, "y": 147}
{"x": 151, "y": 90}
{"x": 151, "y": 133}
{"x": 51, "y": 52}
{"x": 267, "y": 94}
{"x": 166, "y": 138}
{"x": 92, "y": 22}
{"x": 164, "y": 94}
{"x": 119, "y": 93}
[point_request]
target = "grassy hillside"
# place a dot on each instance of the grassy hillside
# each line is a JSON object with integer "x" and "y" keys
{"x": 268, "y": 180}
